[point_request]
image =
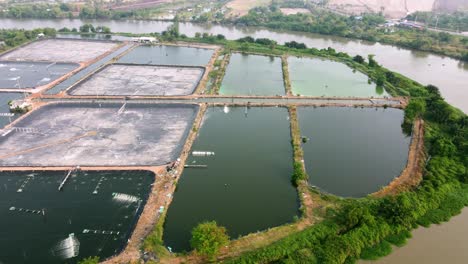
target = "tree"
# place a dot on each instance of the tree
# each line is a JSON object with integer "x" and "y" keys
{"x": 208, "y": 238}
{"x": 87, "y": 28}
{"x": 444, "y": 147}
{"x": 380, "y": 80}
{"x": 372, "y": 62}
{"x": 358, "y": 59}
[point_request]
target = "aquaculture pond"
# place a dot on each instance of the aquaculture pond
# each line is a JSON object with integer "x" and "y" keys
{"x": 353, "y": 152}
{"x": 320, "y": 77}
{"x": 246, "y": 184}
{"x": 21, "y": 75}
{"x": 253, "y": 75}
{"x": 5, "y": 115}
{"x": 93, "y": 215}
{"x": 168, "y": 55}
{"x": 93, "y": 67}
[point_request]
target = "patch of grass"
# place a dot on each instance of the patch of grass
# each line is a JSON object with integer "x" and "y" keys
{"x": 380, "y": 250}
{"x": 399, "y": 239}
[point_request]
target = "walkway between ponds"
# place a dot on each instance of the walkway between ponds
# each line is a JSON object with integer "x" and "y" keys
{"x": 396, "y": 102}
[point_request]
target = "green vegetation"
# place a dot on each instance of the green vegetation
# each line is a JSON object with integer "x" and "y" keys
{"x": 457, "y": 21}
{"x": 16, "y": 37}
{"x": 89, "y": 260}
{"x": 367, "y": 28}
{"x": 208, "y": 238}
{"x": 298, "y": 173}
{"x": 40, "y": 10}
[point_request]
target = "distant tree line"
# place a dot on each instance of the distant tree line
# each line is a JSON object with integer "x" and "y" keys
{"x": 15, "y": 37}
{"x": 456, "y": 21}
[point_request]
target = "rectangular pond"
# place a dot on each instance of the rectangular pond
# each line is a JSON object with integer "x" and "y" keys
{"x": 100, "y": 209}
{"x": 21, "y": 75}
{"x": 98, "y": 134}
{"x": 82, "y": 73}
{"x": 5, "y": 98}
{"x": 320, "y": 77}
{"x": 134, "y": 79}
{"x": 253, "y": 75}
{"x": 353, "y": 152}
{"x": 246, "y": 185}
{"x": 168, "y": 55}
{"x": 60, "y": 50}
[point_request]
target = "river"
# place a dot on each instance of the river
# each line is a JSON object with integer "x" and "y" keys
{"x": 448, "y": 74}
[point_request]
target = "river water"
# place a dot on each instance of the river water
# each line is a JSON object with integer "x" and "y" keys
{"x": 448, "y": 74}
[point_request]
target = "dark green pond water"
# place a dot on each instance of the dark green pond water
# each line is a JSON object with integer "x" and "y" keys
{"x": 353, "y": 152}
{"x": 168, "y": 55}
{"x": 28, "y": 236}
{"x": 253, "y": 75}
{"x": 319, "y": 77}
{"x": 246, "y": 186}
{"x": 5, "y": 108}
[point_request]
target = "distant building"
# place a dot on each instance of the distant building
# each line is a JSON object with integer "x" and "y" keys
{"x": 145, "y": 40}
{"x": 410, "y": 24}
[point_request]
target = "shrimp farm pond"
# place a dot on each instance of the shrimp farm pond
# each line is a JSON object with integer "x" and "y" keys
{"x": 131, "y": 140}
{"x": 246, "y": 184}
{"x": 93, "y": 215}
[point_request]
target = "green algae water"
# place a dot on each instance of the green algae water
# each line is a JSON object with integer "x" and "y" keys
{"x": 353, "y": 152}
{"x": 319, "y": 77}
{"x": 168, "y": 55}
{"x": 246, "y": 186}
{"x": 5, "y": 98}
{"x": 98, "y": 209}
{"x": 253, "y": 75}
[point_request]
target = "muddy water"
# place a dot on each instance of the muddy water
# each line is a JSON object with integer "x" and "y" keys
{"x": 168, "y": 55}
{"x": 352, "y": 152}
{"x": 253, "y": 75}
{"x": 88, "y": 201}
{"x": 5, "y": 108}
{"x": 445, "y": 243}
{"x": 246, "y": 186}
{"x": 448, "y": 74}
{"x": 318, "y": 77}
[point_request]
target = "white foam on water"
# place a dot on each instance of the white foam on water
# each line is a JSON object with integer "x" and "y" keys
{"x": 67, "y": 248}
{"x": 124, "y": 198}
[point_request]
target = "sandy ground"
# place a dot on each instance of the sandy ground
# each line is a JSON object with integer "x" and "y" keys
{"x": 242, "y": 7}
{"x": 293, "y": 11}
{"x": 391, "y": 8}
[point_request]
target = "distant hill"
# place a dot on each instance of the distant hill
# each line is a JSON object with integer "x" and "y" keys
{"x": 451, "y": 5}
{"x": 396, "y": 8}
